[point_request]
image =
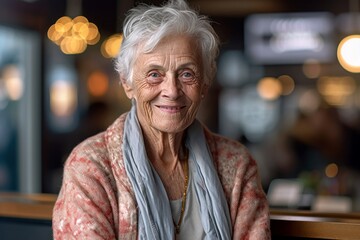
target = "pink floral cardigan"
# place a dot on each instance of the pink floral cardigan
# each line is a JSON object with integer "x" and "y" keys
{"x": 96, "y": 200}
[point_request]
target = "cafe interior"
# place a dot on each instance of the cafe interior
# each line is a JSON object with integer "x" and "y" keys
{"x": 287, "y": 87}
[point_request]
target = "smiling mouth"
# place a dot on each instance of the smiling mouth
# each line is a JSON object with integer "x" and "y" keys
{"x": 171, "y": 108}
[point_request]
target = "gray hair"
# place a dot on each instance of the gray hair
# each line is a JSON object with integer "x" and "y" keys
{"x": 148, "y": 25}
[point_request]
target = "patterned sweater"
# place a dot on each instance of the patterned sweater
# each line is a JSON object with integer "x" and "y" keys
{"x": 96, "y": 200}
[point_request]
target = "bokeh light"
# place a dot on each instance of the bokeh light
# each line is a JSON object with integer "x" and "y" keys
{"x": 348, "y": 53}
{"x": 73, "y": 35}
{"x": 287, "y": 84}
{"x": 269, "y": 88}
{"x": 331, "y": 170}
{"x": 336, "y": 90}
{"x": 13, "y": 82}
{"x": 98, "y": 83}
{"x": 111, "y": 46}
{"x": 63, "y": 98}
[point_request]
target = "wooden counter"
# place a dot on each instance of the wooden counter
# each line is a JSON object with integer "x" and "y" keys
{"x": 285, "y": 224}
{"x": 34, "y": 206}
{"x": 26, "y": 217}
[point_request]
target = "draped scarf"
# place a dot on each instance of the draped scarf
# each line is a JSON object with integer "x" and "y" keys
{"x": 154, "y": 212}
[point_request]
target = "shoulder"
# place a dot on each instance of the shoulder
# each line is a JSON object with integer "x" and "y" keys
{"x": 226, "y": 149}
{"x": 232, "y": 159}
{"x": 97, "y": 150}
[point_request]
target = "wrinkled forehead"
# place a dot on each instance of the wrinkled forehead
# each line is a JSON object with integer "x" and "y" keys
{"x": 169, "y": 41}
{"x": 179, "y": 49}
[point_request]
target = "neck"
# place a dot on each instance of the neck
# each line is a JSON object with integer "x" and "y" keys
{"x": 165, "y": 149}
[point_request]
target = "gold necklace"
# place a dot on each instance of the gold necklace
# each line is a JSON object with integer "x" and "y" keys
{"x": 185, "y": 167}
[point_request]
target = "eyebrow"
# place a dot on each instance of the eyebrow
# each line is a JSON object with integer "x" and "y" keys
{"x": 188, "y": 65}
{"x": 185, "y": 65}
{"x": 155, "y": 66}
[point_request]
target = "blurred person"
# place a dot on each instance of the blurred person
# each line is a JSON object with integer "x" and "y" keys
{"x": 157, "y": 172}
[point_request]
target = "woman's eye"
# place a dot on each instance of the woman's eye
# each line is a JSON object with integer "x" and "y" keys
{"x": 187, "y": 76}
{"x": 154, "y": 77}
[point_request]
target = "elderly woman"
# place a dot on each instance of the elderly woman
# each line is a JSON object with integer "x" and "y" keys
{"x": 157, "y": 172}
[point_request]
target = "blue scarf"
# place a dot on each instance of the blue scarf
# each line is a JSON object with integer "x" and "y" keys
{"x": 155, "y": 219}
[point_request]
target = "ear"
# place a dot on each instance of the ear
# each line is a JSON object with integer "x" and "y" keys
{"x": 129, "y": 91}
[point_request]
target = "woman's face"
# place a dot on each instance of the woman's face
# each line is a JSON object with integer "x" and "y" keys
{"x": 168, "y": 84}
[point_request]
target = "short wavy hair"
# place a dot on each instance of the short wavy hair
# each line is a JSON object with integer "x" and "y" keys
{"x": 147, "y": 25}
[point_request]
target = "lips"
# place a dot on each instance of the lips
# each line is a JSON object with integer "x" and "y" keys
{"x": 170, "y": 108}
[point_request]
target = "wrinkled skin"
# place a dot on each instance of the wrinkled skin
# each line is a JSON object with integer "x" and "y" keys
{"x": 168, "y": 87}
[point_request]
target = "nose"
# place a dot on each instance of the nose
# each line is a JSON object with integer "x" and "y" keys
{"x": 172, "y": 87}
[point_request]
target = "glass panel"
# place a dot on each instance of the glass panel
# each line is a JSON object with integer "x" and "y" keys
{"x": 19, "y": 110}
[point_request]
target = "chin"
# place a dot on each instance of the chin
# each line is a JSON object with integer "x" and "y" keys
{"x": 174, "y": 127}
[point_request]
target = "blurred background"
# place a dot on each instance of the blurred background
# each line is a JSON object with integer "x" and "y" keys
{"x": 288, "y": 87}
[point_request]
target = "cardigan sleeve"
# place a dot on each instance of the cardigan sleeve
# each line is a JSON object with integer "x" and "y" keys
{"x": 85, "y": 206}
{"x": 249, "y": 205}
{"x": 238, "y": 173}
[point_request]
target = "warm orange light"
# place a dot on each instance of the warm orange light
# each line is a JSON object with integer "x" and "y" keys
{"x": 14, "y": 84}
{"x": 111, "y": 46}
{"x": 63, "y": 98}
{"x": 336, "y": 90}
{"x": 73, "y": 35}
{"x": 63, "y": 25}
{"x": 287, "y": 84}
{"x": 269, "y": 88}
{"x": 54, "y": 35}
{"x": 348, "y": 53}
{"x": 93, "y": 35}
{"x": 73, "y": 45}
{"x": 331, "y": 170}
{"x": 98, "y": 84}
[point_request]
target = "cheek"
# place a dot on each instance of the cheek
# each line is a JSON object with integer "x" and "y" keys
{"x": 143, "y": 91}
{"x": 194, "y": 93}
{"x": 146, "y": 94}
